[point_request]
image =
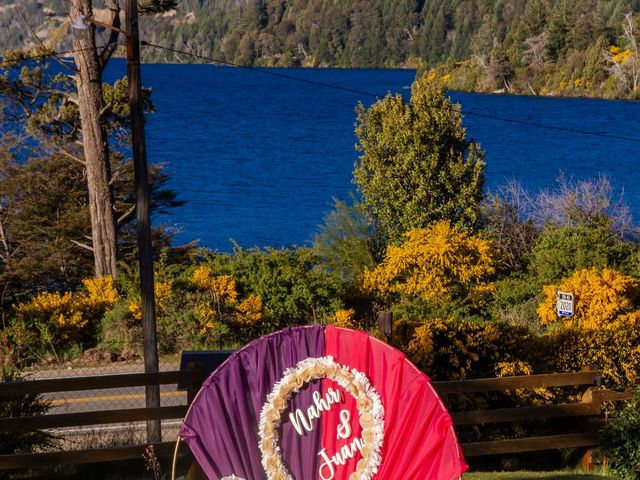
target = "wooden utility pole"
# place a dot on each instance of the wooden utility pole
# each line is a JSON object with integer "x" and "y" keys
{"x": 145, "y": 255}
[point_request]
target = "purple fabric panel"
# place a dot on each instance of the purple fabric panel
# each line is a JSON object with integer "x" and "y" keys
{"x": 221, "y": 428}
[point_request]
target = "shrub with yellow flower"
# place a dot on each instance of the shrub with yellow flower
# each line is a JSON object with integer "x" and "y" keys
{"x": 222, "y": 287}
{"x": 600, "y": 298}
{"x": 622, "y": 56}
{"x": 67, "y": 315}
{"x": 162, "y": 292}
{"x": 101, "y": 294}
{"x": 344, "y": 318}
{"x": 249, "y": 311}
{"x": 54, "y": 308}
{"x": 201, "y": 277}
{"x": 207, "y": 317}
{"x": 523, "y": 396}
{"x": 437, "y": 264}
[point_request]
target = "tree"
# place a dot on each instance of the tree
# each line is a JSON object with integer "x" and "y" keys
{"x": 78, "y": 123}
{"x": 536, "y": 52}
{"x": 484, "y": 39}
{"x": 347, "y": 243}
{"x": 558, "y": 37}
{"x": 417, "y": 166}
{"x": 89, "y": 67}
{"x": 625, "y": 64}
{"x": 44, "y": 220}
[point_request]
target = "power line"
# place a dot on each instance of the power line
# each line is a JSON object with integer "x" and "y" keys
{"x": 376, "y": 96}
{"x": 260, "y": 70}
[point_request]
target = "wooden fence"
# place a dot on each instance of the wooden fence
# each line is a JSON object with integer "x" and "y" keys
{"x": 589, "y": 408}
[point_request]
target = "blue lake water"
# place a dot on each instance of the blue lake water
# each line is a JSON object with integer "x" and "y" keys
{"x": 258, "y": 158}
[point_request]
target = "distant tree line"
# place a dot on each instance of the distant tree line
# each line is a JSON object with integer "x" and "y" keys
{"x": 568, "y": 47}
{"x": 358, "y": 33}
{"x": 525, "y": 46}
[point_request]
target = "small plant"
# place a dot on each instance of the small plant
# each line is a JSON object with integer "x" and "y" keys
{"x": 152, "y": 463}
{"x": 23, "y": 406}
{"x": 621, "y": 441}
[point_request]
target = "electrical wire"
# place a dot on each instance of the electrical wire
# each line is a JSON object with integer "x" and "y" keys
{"x": 376, "y": 96}
{"x": 261, "y": 70}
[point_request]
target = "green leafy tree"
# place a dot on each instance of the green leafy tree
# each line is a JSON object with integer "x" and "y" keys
{"x": 348, "y": 243}
{"x": 417, "y": 165}
{"x": 44, "y": 222}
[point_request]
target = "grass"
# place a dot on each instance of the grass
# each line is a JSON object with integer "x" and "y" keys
{"x": 557, "y": 475}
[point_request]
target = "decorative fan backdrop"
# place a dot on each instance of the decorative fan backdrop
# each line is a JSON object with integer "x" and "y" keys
{"x": 321, "y": 403}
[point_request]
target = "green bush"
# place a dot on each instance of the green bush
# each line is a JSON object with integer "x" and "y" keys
{"x": 292, "y": 283}
{"x": 515, "y": 300}
{"x": 223, "y": 300}
{"x": 22, "y": 406}
{"x": 561, "y": 251}
{"x": 621, "y": 441}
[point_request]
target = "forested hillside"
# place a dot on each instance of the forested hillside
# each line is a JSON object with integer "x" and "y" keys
{"x": 528, "y": 46}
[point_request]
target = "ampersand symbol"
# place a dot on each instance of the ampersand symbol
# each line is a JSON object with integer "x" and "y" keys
{"x": 344, "y": 429}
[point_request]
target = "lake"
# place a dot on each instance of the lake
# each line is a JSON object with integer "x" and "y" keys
{"x": 258, "y": 158}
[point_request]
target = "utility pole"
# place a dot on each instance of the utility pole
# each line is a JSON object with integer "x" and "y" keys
{"x": 145, "y": 256}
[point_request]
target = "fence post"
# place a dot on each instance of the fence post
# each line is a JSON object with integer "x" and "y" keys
{"x": 385, "y": 321}
{"x": 592, "y": 396}
{"x": 196, "y": 380}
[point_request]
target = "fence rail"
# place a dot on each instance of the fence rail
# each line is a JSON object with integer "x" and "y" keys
{"x": 589, "y": 408}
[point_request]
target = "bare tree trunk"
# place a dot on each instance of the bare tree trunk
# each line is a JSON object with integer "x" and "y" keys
{"x": 94, "y": 139}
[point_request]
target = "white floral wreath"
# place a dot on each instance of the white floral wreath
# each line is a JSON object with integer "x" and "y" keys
{"x": 356, "y": 383}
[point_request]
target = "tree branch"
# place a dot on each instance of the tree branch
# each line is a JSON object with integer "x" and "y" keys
{"x": 126, "y": 214}
{"x": 82, "y": 245}
{"x": 70, "y": 156}
{"x": 33, "y": 32}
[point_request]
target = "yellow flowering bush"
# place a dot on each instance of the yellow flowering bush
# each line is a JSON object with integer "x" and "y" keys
{"x": 207, "y": 317}
{"x": 614, "y": 348}
{"x": 162, "y": 291}
{"x": 523, "y": 396}
{"x": 600, "y": 297}
{"x": 100, "y": 291}
{"x": 621, "y": 55}
{"x": 436, "y": 264}
{"x": 201, "y": 277}
{"x": 56, "y": 308}
{"x": 249, "y": 311}
{"x": 452, "y": 350}
{"x": 223, "y": 288}
{"x": 344, "y": 318}
{"x": 68, "y": 316}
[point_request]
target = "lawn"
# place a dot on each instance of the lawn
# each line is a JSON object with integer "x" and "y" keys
{"x": 558, "y": 475}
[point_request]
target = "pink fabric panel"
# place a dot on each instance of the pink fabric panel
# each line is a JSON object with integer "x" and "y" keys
{"x": 419, "y": 441}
